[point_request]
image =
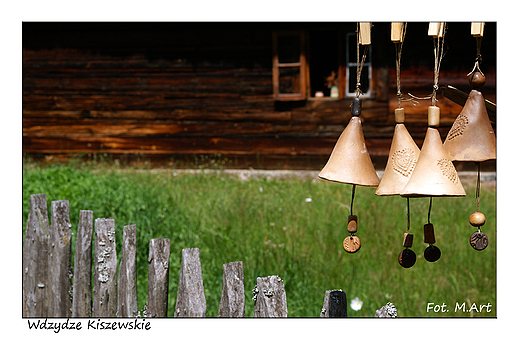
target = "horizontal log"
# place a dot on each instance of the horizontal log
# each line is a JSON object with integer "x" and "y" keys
{"x": 146, "y": 101}
{"x": 74, "y": 128}
{"x": 179, "y": 114}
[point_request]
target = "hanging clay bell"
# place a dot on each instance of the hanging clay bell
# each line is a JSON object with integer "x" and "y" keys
{"x": 407, "y": 256}
{"x": 434, "y": 173}
{"x": 350, "y": 161}
{"x": 402, "y": 158}
{"x": 351, "y": 244}
{"x": 471, "y": 138}
{"x": 431, "y": 253}
{"x": 478, "y": 240}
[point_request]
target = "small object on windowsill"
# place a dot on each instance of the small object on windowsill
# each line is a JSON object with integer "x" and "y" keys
{"x": 334, "y": 92}
{"x": 319, "y": 94}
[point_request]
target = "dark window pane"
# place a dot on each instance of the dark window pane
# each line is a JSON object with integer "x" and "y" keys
{"x": 288, "y": 48}
{"x": 289, "y": 79}
{"x": 353, "y": 78}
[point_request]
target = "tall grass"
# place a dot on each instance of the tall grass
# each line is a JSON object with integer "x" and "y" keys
{"x": 293, "y": 228}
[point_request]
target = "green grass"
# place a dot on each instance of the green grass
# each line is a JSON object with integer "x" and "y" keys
{"x": 269, "y": 226}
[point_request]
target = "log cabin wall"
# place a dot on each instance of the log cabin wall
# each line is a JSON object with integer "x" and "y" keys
{"x": 179, "y": 92}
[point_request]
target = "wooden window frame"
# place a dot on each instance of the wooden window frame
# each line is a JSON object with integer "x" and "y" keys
{"x": 302, "y": 64}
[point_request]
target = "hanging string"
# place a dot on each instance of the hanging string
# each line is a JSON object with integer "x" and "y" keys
{"x": 359, "y": 65}
{"x": 478, "y": 58}
{"x": 408, "y": 212}
{"x": 478, "y": 187}
{"x": 430, "y": 209}
{"x": 438, "y": 50}
{"x": 398, "y": 52}
{"x": 352, "y": 200}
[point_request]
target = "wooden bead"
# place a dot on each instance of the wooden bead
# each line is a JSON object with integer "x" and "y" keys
{"x": 432, "y": 253}
{"x": 352, "y": 224}
{"x": 356, "y": 107}
{"x": 429, "y": 236}
{"x": 351, "y": 244}
{"x": 434, "y": 116}
{"x": 399, "y": 115}
{"x": 477, "y": 219}
{"x": 407, "y": 258}
{"x": 408, "y": 240}
{"x": 478, "y": 240}
{"x": 477, "y": 79}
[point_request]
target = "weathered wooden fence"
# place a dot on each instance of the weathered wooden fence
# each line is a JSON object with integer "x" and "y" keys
{"x": 98, "y": 290}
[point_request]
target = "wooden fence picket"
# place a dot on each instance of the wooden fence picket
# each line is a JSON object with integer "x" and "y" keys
{"x": 127, "y": 280}
{"x": 191, "y": 301}
{"x": 35, "y": 287}
{"x": 271, "y": 300}
{"x": 82, "y": 288}
{"x": 60, "y": 269}
{"x": 334, "y": 304}
{"x": 105, "y": 269}
{"x": 232, "y": 301}
{"x": 158, "y": 277}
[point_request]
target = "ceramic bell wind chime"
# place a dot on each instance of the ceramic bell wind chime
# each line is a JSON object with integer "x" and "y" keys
{"x": 434, "y": 174}
{"x": 350, "y": 161}
{"x": 404, "y": 152}
{"x": 471, "y": 138}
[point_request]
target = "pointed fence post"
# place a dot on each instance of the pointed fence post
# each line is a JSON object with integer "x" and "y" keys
{"x": 232, "y": 301}
{"x": 60, "y": 266}
{"x": 35, "y": 287}
{"x": 334, "y": 304}
{"x": 82, "y": 288}
{"x": 105, "y": 269}
{"x": 127, "y": 280}
{"x": 158, "y": 277}
{"x": 387, "y": 311}
{"x": 191, "y": 301}
{"x": 270, "y": 298}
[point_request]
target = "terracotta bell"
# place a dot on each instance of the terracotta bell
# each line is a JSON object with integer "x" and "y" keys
{"x": 434, "y": 173}
{"x": 350, "y": 161}
{"x": 401, "y": 159}
{"x": 471, "y": 138}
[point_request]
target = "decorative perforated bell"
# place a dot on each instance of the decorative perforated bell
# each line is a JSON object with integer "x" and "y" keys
{"x": 434, "y": 173}
{"x": 402, "y": 158}
{"x": 350, "y": 161}
{"x": 471, "y": 137}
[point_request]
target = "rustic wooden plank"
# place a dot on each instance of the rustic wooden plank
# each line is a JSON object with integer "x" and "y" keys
{"x": 105, "y": 269}
{"x": 191, "y": 301}
{"x": 36, "y": 283}
{"x": 78, "y": 128}
{"x": 158, "y": 277}
{"x": 251, "y": 115}
{"x": 60, "y": 266}
{"x": 232, "y": 300}
{"x": 270, "y": 298}
{"x": 82, "y": 288}
{"x": 127, "y": 279}
{"x": 334, "y": 304}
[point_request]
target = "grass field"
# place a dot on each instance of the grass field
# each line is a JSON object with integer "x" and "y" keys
{"x": 293, "y": 228}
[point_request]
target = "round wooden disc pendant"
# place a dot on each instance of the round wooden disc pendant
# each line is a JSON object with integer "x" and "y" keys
{"x": 407, "y": 258}
{"x": 351, "y": 244}
{"x": 432, "y": 253}
{"x": 478, "y": 240}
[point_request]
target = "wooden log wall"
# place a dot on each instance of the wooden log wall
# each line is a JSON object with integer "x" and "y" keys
{"x": 172, "y": 91}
